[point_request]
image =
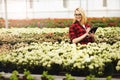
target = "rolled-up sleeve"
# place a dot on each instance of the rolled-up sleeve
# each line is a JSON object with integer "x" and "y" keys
{"x": 72, "y": 33}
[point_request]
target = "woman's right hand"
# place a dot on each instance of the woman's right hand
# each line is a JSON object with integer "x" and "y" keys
{"x": 87, "y": 30}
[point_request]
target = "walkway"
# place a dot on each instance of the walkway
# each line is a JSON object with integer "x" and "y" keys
{"x": 37, "y": 77}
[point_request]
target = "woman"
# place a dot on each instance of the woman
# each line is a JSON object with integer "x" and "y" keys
{"x": 79, "y": 30}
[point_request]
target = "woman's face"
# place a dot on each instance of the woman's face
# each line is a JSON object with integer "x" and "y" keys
{"x": 78, "y": 15}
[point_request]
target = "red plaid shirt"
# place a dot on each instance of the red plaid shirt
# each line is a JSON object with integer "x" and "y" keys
{"x": 76, "y": 30}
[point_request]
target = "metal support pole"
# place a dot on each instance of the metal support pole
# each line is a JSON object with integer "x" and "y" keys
{"x": 6, "y": 17}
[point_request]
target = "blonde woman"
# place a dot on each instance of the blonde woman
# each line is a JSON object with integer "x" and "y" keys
{"x": 79, "y": 30}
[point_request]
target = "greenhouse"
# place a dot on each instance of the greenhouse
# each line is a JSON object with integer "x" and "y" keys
{"x": 51, "y": 40}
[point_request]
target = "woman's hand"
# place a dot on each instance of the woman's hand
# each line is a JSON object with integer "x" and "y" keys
{"x": 91, "y": 35}
{"x": 88, "y": 33}
{"x": 87, "y": 30}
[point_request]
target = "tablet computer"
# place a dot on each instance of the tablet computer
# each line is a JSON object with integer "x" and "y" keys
{"x": 93, "y": 29}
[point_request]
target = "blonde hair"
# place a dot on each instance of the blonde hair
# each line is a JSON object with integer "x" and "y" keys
{"x": 83, "y": 19}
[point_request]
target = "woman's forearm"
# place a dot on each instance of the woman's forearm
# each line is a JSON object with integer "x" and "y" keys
{"x": 76, "y": 40}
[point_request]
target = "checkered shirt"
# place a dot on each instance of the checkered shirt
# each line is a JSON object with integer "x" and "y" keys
{"x": 76, "y": 30}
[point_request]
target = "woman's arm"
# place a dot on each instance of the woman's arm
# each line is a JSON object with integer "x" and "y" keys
{"x": 76, "y": 40}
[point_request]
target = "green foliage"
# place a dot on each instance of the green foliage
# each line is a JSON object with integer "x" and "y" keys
{"x": 26, "y": 72}
{"x": 29, "y": 77}
{"x": 14, "y": 75}
{"x": 93, "y": 56}
{"x": 45, "y": 75}
{"x": 69, "y": 77}
{"x": 28, "y": 52}
{"x": 15, "y": 72}
{"x": 109, "y": 78}
{"x": 58, "y": 23}
{"x": 90, "y": 77}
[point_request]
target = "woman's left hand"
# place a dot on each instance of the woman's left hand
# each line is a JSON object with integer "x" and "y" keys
{"x": 91, "y": 35}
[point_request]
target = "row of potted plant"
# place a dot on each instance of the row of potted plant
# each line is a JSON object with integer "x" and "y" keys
{"x": 16, "y": 76}
{"x": 59, "y": 23}
{"x": 48, "y": 54}
{"x": 17, "y": 35}
{"x": 28, "y": 76}
{"x": 63, "y": 57}
{"x": 44, "y": 76}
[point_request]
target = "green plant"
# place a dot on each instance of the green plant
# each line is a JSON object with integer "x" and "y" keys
{"x": 15, "y": 72}
{"x": 90, "y": 77}
{"x": 50, "y": 77}
{"x": 14, "y": 75}
{"x": 46, "y": 76}
{"x": 26, "y": 72}
{"x": 69, "y": 77}
{"x": 109, "y": 78}
{"x": 29, "y": 77}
